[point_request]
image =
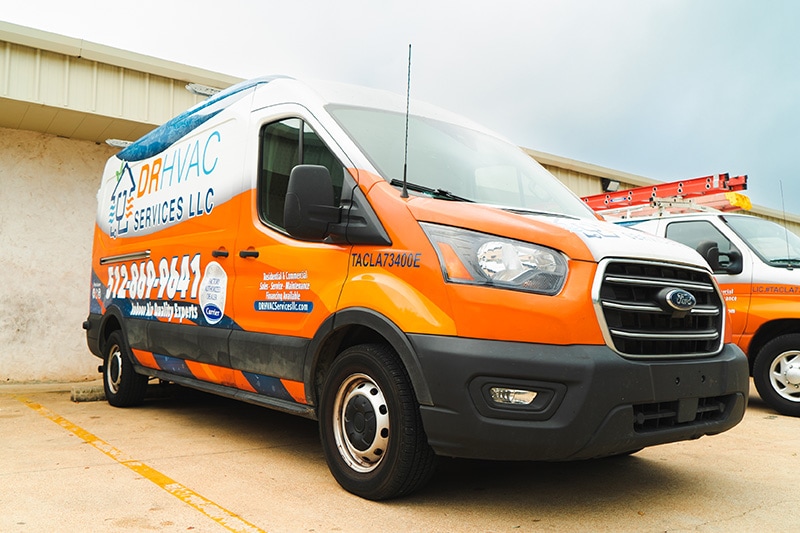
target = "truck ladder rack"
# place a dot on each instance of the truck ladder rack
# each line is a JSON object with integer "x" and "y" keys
{"x": 708, "y": 193}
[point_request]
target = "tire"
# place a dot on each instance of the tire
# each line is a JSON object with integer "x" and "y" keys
{"x": 370, "y": 425}
{"x": 776, "y": 374}
{"x": 122, "y": 385}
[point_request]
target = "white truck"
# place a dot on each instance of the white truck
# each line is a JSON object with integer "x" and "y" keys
{"x": 755, "y": 261}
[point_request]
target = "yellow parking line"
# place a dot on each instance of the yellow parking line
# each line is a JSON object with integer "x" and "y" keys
{"x": 222, "y": 516}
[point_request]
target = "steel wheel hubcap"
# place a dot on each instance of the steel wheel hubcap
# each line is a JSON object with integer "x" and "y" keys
{"x": 785, "y": 375}
{"x": 361, "y": 423}
{"x": 114, "y": 369}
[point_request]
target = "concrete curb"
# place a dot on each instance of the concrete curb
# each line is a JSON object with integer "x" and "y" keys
{"x": 87, "y": 393}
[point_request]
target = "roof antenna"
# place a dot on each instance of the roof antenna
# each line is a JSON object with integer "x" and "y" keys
{"x": 404, "y": 194}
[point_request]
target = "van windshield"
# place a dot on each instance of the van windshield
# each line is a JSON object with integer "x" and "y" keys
{"x": 457, "y": 160}
{"x": 774, "y": 244}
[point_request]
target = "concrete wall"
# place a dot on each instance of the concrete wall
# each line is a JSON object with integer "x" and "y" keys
{"x": 47, "y": 211}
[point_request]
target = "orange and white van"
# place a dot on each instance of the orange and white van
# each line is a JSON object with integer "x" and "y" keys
{"x": 264, "y": 245}
{"x": 757, "y": 265}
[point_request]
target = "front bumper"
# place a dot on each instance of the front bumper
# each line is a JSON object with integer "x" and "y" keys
{"x": 591, "y": 402}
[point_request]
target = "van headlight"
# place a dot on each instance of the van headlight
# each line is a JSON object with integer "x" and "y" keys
{"x": 477, "y": 258}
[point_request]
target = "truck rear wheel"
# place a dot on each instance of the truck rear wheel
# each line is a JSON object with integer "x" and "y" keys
{"x": 122, "y": 385}
{"x": 370, "y": 425}
{"x": 776, "y": 374}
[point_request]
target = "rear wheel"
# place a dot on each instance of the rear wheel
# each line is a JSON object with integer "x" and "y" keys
{"x": 122, "y": 385}
{"x": 370, "y": 425}
{"x": 776, "y": 374}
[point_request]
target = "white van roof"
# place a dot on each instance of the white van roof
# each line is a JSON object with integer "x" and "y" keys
{"x": 174, "y": 129}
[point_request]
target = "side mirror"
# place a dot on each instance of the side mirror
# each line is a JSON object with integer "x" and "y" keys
{"x": 731, "y": 262}
{"x": 735, "y": 264}
{"x": 710, "y": 252}
{"x": 308, "y": 207}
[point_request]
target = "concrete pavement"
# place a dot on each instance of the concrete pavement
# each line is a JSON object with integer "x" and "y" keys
{"x": 187, "y": 461}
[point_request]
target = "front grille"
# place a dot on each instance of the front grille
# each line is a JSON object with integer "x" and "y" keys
{"x": 638, "y": 321}
{"x": 690, "y": 411}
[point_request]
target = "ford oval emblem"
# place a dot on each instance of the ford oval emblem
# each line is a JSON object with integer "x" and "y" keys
{"x": 680, "y": 300}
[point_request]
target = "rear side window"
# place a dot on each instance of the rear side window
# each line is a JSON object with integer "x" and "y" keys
{"x": 284, "y": 145}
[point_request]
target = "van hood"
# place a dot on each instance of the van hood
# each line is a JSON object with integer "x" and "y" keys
{"x": 604, "y": 239}
{"x": 580, "y": 239}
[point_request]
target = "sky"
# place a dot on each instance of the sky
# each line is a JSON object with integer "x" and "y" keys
{"x": 666, "y": 89}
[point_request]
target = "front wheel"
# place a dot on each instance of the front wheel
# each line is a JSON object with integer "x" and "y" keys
{"x": 776, "y": 374}
{"x": 370, "y": 425}
{"x": 122, "y": 385}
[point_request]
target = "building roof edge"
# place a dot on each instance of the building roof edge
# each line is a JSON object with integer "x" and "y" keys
{"x": 71, "y": 46}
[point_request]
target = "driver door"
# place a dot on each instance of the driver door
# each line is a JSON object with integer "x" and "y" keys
{"x": 285, "y": 287}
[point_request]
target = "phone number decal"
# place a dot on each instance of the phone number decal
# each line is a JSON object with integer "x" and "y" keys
{"x": 178, "y": 276}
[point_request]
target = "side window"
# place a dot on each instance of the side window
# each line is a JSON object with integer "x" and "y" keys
{"x": 702, "y": 235}
{"x": 283, "y": 146}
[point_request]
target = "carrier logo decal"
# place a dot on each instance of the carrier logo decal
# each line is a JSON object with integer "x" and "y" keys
{"x": 212, "y": 292}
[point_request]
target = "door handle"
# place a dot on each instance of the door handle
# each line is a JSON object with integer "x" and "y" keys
{"x": 248, "y": 253}
{"x": 219, "y": 253}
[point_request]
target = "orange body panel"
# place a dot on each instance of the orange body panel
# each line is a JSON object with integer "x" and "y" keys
{"x": 751, "y": 306}
{"x": 212, "y": 373}
{"x": 567, "y": 318}
{"x": 403, "y": 282}
{"x": 288, "y": 271}
{"x": 497, "y": 222}
{"x": 145, "y": 358}
{"x": 178, "y": 255}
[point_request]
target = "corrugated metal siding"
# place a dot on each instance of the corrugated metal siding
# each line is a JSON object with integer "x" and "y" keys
{"x": 791, "y": 225}
{"x": 581, "y": 183}
{"x": 48, "y": 92}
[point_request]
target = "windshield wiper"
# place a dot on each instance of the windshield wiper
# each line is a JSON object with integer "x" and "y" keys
{"x": 440, "y": 194}
{"x": 526, "y": 211}
{"x": 788, "y": 261}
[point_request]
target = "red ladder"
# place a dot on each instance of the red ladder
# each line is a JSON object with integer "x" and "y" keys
{"x": 692, "y": 188}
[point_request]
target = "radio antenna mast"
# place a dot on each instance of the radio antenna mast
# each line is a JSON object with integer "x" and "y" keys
{"x": 785, "y": 228}
{"x": 404, "y": 194}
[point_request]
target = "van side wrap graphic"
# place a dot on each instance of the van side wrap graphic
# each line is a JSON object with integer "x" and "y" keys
{"x": 282, "y": 389}
{"x": 97, "y": 303}
{"x": 171, "y": 131}
{"x": 176, "y": 186}
{"x": 186, "y": 313}
{"x": 189, "y": 180}
{"x": 129, "y": 292}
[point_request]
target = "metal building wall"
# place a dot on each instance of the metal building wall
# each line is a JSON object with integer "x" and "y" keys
{"x": 60, "y": 98}
{"x": 81, "y": 90}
